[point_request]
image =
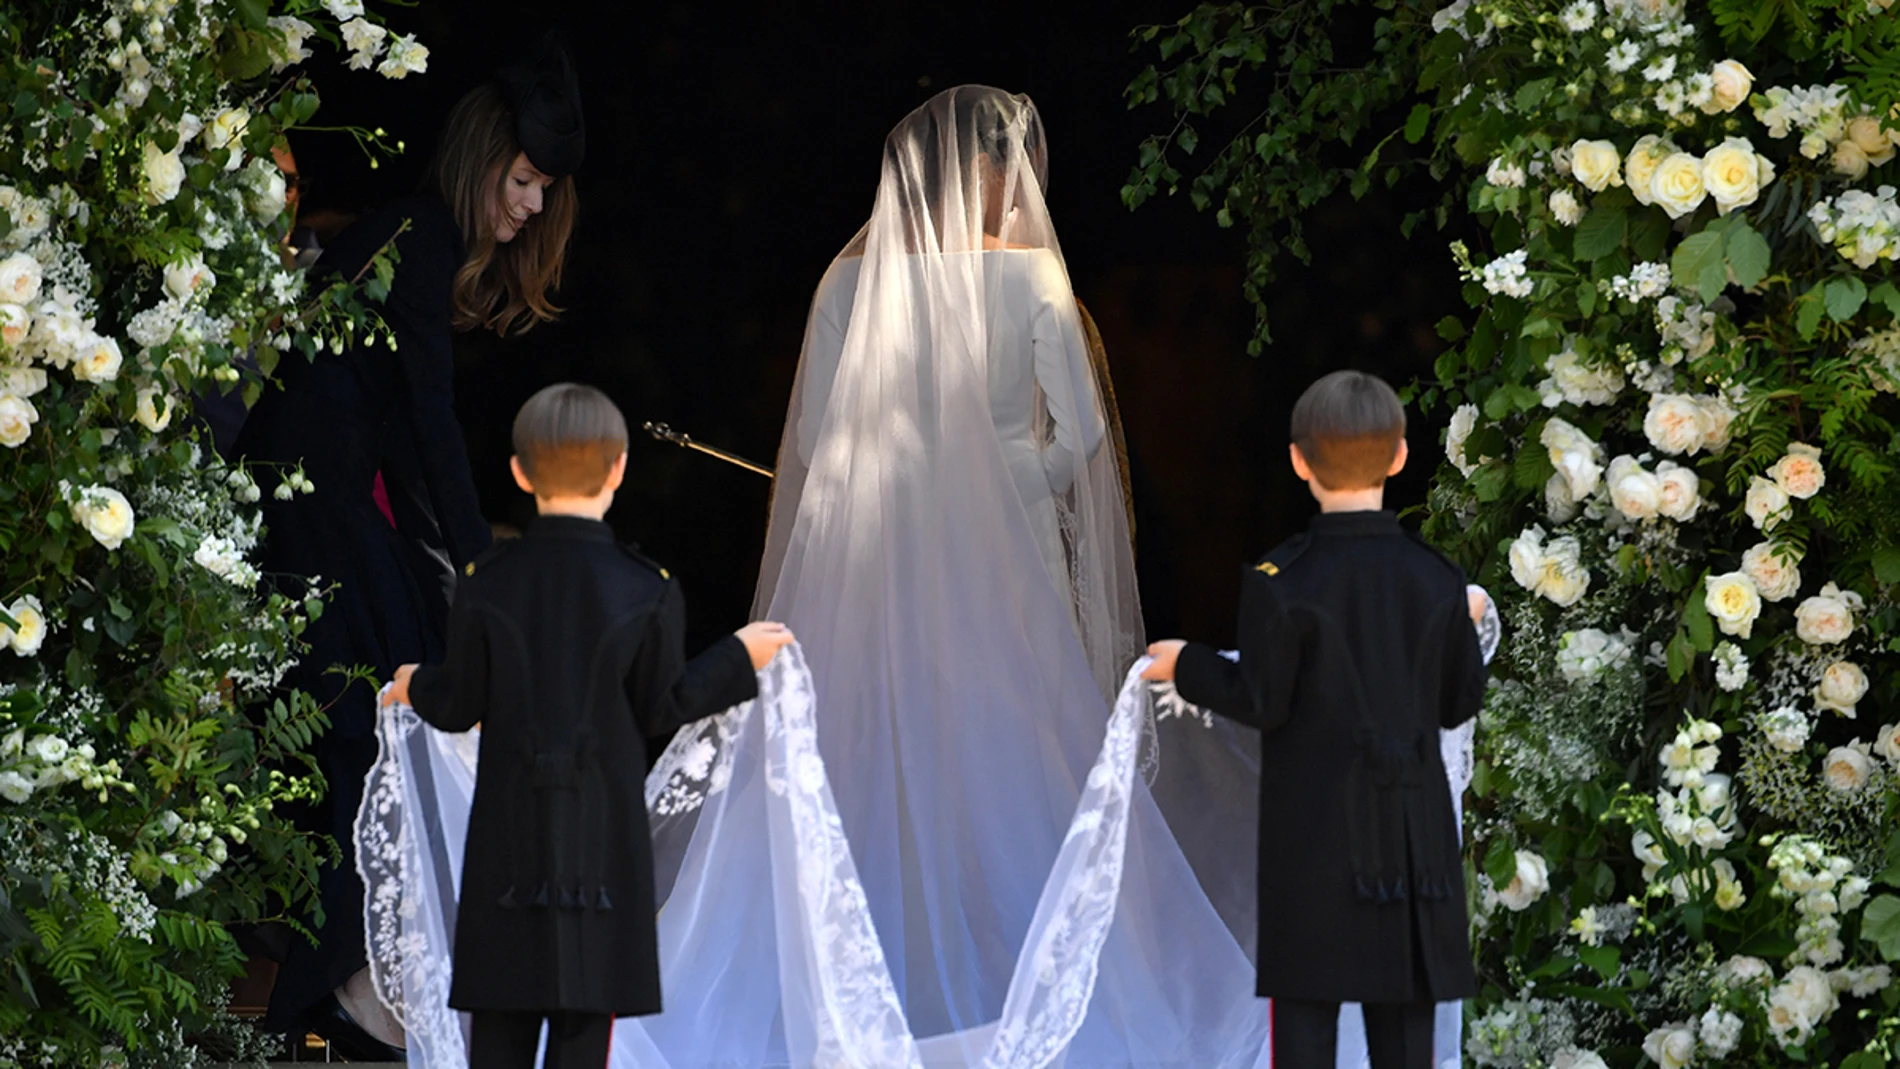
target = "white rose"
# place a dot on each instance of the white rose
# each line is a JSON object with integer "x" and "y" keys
{"x": 1718, "y": 420}
{"x": 1732, "y": 83}
{"x": 1681, "y": 491}
{"x": 1766, "y": 504}
{"x": 187, "y": 277}
{"x": 1677, "y": 185}
{"x": 154, "y": 409}
{"x": 26, "y": 639}
{"x": 1527, "y": 557}
{"x": 1671, "y": 1046}
{"x": 1809, "y": 990}
{"x": 1563, "y": 578}
{"x": 1799, "y": 474}
{"x": 1776, "y": 576}
{"x": 1578, "y": 459}
{"x": 1843, "y": 685}
{"x": 1596, "y": 164}
{"x": 105, "y": 514}
{"x": 1847, "y": 768}
{"x": 1825, "y": 619}
{"x": 1564, "y": 207}
{"x": 1676, "y": 423}
{"x": 1463, "y": 422}
{"x": 1734, "y": 602}
{"x": 264, "y": 191}
{"x": 1865, "y": 132}
{"x": 164, "y": 174}
{"x": 1558, "y": 504}
{"x": 19, "y": 279}
{"x": 97, "y": 359}
{"x": 1732, "y": 173}
{"x": 16, "y": 324}
{"x": 1887, "y": 744}
{"x": 1636, "y": 493}
{"x": 1742, "y": 969}
{"x": 1529, "y": 885}
{"x": 17, "y": 416}
{"x": 1640, "y": 167}
{"x": 227, "y": 128}
{"x": 15, "y": 787}
{"x": 1850, "y": 161}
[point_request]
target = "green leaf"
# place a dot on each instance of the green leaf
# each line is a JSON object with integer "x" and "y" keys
{"x": 1807, "y": 317}
{"x": 1696, "y": 620}
{"x": 1500, "y": 862}
{"x": 1880, "y": 925}
{"x": 1531, "y": 94}
{"x": 1586, "y": 298}
{"x": 1699, "y": 262}
{"x": 1600, "y": 233}
{"x": 1417, "y": 122}
{"x": 1887, "y": 564}
{"x": 1844, "y": 297}
{"x": 1748, "y": 254}
{"x": 1865, "y": 1059}
{"x": 1681, "y": 656}
{"x": 1451, "y": 328}
{"x": 1605, "y": 960}
{"x": 1888, "y": 297}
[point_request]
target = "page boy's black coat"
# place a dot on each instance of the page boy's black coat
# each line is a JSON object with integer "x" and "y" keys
{"x": 1356, "y": 647}
{"x": 568, "y": 650}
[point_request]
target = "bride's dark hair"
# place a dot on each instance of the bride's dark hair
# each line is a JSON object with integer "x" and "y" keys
{"x": 980, "y": 121}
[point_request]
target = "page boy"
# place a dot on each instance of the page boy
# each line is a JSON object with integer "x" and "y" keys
{"x": 1356, "y": 647}
{"x": 567, "y": 649}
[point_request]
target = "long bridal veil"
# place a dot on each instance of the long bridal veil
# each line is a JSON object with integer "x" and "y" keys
{"x": 935, "y": 838}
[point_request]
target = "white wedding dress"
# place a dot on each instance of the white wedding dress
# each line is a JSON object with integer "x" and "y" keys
{"x": 951, "y": 831}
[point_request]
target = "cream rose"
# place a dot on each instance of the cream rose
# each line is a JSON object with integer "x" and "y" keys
{"x": 1865, "y": 132}
{"x": 1640, "y": 167}
{"x": 1843, "y": 685}
{"x": 1676, "y": 423}
{"x": 226, "y": 129}
{"x": 1575, "y": 456}
{"x": 1735, "y": 603}
{"x": 1463, "y": 422}
{"x": 154, "y": 409}
{"x": 1766, "y": 504}
{"x": 16, "y": 323}
{"x": 1847, "y": 768}
{"x": 1732, "y": 172}
{"x": 105, "y": 514}
{"x": 1732, "y": 83}
{"x": 23, "y": 381}
{"x": 1850, "y": 161}
{"x": 1718, "y": 418}
{"x": 164, "y": 174}
{"x": 1799, "y": 474}
{"x": 1563, "y": 578}
{"x": 1681, "y": 491}
{"x": 1827, "y": 618}
{"x": 25, "y": 639}
{"x": 97, "y": 359}
{"x": 1778, "y": 577}
{"x": 1887, "y": 744}
{"x": 1671, "y": 1046}
{"x": 1596, "y": 164}
{"x": 1528, "y": 885}
{"x": 17, "y": 416}
{"x": 1636, "y": 493}
{"x": 187, "y": 277}
{"x": 1677, "y": 185}
{"x": 19, "y": 279}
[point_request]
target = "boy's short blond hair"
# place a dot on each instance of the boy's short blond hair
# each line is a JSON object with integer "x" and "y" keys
{"x": 1348, "y": 426}
{"x": 567, "y": 438}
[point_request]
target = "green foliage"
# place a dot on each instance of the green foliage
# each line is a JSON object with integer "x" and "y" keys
{"x": 148, "y": 755}
{"x": 1661, "y": 357}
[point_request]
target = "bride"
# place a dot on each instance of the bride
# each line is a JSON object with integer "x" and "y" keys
{"x": 928, "y": 843}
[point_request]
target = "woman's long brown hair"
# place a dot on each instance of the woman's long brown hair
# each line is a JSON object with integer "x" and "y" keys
{"x": 503, "y": 287}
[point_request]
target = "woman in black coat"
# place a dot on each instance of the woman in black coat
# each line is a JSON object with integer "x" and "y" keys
{"x": 484, "y": 246}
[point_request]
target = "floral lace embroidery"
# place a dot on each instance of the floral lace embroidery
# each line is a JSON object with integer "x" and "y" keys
{"x": 696, "y": 765}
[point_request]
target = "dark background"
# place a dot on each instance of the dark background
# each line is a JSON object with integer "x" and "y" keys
{"x": 733, "y": 149}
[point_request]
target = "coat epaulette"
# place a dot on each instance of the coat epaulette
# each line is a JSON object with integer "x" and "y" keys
{"x": 634, "y": 552}
{"x": 1283, "y": 555}
{"x": 488, "y": 556}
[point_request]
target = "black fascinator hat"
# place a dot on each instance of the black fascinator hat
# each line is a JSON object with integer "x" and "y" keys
{"x": 545, "y": 94}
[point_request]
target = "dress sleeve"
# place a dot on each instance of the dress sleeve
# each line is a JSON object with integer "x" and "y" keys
{"x": 1464, "y": 671}
{"x": 666, "y": 690}
{"x": 1064, "y": 374}
{"x": 453, "y": 696}
{"x": 824, "y": 347}
{"x": 417, "y": 311}
{"x": 1258, "y": 689}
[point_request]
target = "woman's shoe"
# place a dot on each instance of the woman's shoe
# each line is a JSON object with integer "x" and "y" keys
{"x": 347, "y": 1038}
